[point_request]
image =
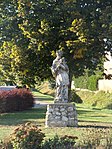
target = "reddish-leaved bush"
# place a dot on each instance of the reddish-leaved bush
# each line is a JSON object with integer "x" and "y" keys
{"x": 15, "y": 100}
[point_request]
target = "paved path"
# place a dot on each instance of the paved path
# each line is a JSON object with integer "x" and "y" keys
{"x": 39, "y": 103}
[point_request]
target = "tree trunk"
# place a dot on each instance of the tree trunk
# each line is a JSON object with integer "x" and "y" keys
{"x": 69, "y": 88}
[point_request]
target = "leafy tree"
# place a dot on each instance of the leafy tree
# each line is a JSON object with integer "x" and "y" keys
{"x": 47, "y": 24}
{"x": 11, "y": 41}
{"x": 39, "y": 28}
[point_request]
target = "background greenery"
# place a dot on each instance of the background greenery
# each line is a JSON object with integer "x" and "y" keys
{"x": 89, "y": 80}
{"x": 32, "y": 31}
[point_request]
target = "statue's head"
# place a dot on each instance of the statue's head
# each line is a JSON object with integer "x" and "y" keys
{"x": 59, "y": 53}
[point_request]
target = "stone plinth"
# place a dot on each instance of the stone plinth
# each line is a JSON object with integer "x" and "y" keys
{"x": 61, "y": 115}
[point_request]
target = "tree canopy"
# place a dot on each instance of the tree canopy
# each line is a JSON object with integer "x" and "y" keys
{"x": 32, "y": 30}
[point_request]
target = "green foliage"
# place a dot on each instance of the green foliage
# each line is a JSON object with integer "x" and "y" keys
{"x": 27, "y": 136}
{"x": 38, "y": 28}
{"x": 92, "y": 83}
{"x": 15, "y": 64}
{"x": 80, "y": 82}
{"x": 89, "y": 80}
{"x": 65, "y": 142}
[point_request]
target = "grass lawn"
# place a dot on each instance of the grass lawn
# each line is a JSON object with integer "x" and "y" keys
{"x": 88, "y": 118}
{"x": 43, "y": 98}
{"x": 95, "y": 115}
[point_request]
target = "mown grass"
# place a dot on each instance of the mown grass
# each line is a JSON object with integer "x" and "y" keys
{"x": 88, "y": 117}
{"x": 43, "y": 98}
{"x": 8, "y": 121}
{"x": 90, "y": 114}
{"x": 12, "y": 119}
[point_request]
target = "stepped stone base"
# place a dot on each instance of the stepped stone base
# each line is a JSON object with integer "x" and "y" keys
{"x": 61, "y": 115}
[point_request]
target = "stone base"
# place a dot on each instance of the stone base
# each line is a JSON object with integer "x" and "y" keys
{"x": 61, "y": 115}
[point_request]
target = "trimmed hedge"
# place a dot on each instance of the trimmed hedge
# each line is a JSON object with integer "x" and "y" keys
{"x": 15, "y": 100}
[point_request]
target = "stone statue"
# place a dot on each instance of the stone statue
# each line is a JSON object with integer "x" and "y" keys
{"x": 61, "y": 73}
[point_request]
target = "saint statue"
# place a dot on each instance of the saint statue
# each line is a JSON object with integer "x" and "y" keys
{"x": 61, "y": 73}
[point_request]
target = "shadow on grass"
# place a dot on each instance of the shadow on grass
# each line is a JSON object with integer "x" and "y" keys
{"x": 94, "y": 124}
{"x": 97, "y": 109}
{"x": 21, "y": 117}
{"x": 84, "y": 111}
{"x": 99, "y": 116}
{"x": 85, "y": 107}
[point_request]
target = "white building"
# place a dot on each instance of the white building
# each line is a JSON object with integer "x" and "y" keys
{"x": 106, "y": 83}
{"x": 108, "y": 64}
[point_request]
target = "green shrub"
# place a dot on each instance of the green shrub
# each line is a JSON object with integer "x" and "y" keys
{"x": 89, "y": 80}
{"x": 27, "y": 136}
{"x": 65, "y": 142}
{"x": 80, "y": 82}
{"x": 92, "y": 83}
{"x": 15, "y": 100}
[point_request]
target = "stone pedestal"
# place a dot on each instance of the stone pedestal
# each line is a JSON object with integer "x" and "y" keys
{"x": 61, "y": 115}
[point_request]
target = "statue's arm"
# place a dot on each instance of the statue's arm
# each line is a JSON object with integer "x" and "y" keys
{"x": 54, "y": 69}
{"x": 64, "y": 67}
